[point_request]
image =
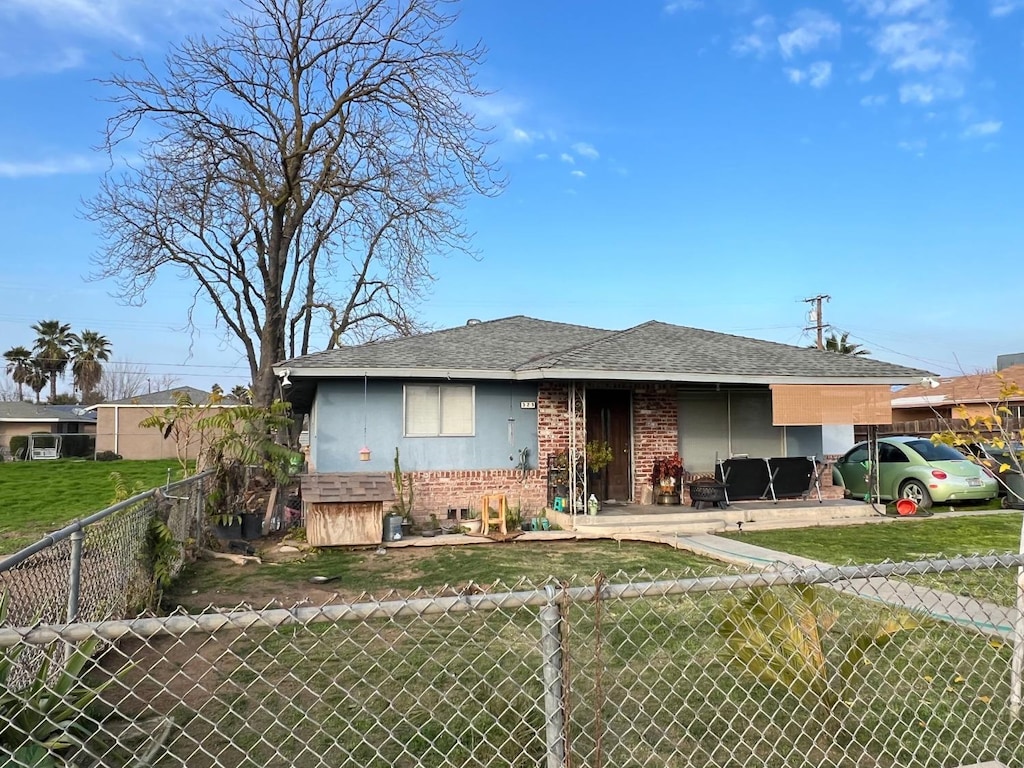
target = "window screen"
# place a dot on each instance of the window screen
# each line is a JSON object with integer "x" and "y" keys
{"x": 435, "y": 410}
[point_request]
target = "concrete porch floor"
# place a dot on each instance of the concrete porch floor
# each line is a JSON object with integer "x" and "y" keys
{"x": 618, "y": 518}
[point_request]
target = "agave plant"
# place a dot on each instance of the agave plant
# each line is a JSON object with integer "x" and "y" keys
{"x": 783, "y": 643}
{"x": 48, "y": 714}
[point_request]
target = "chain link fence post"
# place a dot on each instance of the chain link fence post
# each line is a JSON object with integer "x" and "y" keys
{"x": 554, "y": 694}
{"x": 75, "y": 574}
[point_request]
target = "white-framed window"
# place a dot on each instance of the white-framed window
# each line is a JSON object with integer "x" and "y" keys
{"x": 439, "y": 410}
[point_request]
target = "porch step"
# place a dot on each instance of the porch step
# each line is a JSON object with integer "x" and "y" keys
{"x": 748, "y": 516}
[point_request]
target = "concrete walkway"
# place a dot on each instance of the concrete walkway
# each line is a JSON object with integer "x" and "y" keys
{"x": 968, "y": 612}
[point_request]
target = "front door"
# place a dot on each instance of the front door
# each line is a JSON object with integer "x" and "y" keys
{"x": 608, "y": 421}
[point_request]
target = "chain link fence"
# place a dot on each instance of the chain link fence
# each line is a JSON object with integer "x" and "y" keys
{"x": 908, "y": 665}
{"x": 101, "y": 567}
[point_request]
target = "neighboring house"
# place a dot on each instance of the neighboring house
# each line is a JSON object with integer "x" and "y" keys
{"x": 118, "y": 430}
{"x": 464, "y": 405}
{"x": 23, "y": 418}
{"x": 958, "y": 397}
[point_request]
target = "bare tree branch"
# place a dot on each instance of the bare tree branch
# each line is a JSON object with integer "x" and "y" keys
{"x": 310, "y": 158}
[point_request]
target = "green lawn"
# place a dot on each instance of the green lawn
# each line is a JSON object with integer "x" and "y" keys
{"x": 932, "y": 538}
{"x": 42, "y": 496}
{"x": 900, "y": 540}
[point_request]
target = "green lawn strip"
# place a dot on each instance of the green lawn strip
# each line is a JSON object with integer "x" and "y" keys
{"x": 904, "y": 540}
{"x": 466, "y": 689}
{"x": 901, "y": 540}
{"x": 408, "y": 569}
{"x": 42, "y": 496}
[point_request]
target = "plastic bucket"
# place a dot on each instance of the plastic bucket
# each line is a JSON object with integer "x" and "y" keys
{"x": 906, "y": 507}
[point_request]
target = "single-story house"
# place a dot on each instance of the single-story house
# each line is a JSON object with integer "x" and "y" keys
{"x": 21, "y": 417}
{"x": 957, "y": 397}
{"x": 487, "y": 407}
{"x": 118, "y": 430}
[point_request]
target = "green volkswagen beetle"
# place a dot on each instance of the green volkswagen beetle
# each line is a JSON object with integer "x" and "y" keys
{"x": 915, "y": 468}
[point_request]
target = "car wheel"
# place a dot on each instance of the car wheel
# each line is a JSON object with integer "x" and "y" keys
{"x": 915, "y": 491}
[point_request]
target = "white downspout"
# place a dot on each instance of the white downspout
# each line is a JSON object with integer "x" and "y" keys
{"x": 117, "y": 425}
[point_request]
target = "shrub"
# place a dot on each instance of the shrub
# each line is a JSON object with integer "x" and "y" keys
{"x": 19, "y": 443}
{"x": 108, "y": 456}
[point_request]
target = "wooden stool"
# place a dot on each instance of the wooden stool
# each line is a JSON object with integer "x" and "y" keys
{"x": 486, "y": 512}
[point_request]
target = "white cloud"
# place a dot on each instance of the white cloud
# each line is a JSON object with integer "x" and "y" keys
{"x": 926, "y": 93}
{"x": 807, "y": 31}
{"x": 921, "y": 46}
{"x": 13, "y": 63}
{"x": 543, "y": 156}
{"x": 920, "y": 42}
{"x": 817, "y": 75}
{"x": 874, "y": 100}
{"x": 916, "y": 93}
{"x": 130, "y": 20}
{"x": 683, "y": 5}
{"x": 588, "y": 151}
{"x": 986, "y": 128}
{"x": 917, "y": 146}
{"x": 565, "y": 157}
{"x": 758, "y": 41}
{"x": 820, "y": 73}
{"x": 875, "y": 8}
{"x": 578, "y": 174}
{"x": 521, "y": 136}
{"x": 999, "y": 8}
{"x": 52, "y": 166}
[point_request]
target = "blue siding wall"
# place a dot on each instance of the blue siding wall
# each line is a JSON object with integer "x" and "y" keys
{"x": 336, "y": 434}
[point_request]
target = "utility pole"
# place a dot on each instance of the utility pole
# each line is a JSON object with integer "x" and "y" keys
{"x": 815, "y": 317}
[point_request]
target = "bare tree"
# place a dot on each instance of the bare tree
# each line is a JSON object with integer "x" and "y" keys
{"x": 300, "y": 169}
{"x": 120, "y": 381}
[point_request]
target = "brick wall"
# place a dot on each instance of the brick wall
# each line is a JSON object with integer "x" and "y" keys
{"x": 552, "y": 421}
{"x": 655, "y": 430}
{"x": 437, "y": 491}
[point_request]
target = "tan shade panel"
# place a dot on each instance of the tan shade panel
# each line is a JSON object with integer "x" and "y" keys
{"x": 808, "y": 404}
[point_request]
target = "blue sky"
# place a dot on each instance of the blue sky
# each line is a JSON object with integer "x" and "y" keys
{"x": 702, "y": 162}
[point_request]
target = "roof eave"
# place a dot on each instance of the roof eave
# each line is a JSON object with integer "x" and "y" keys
{"x": 582, "y": 374}
{"x": 711, "y": 378}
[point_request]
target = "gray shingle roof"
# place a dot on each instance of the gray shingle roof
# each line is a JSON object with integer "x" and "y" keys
{"x": 347, "y": 487}
{"x": 21, "y": 410}
{"x": 526, "y": 348}
{"x": 492, "y": 345}
{"x": 164, "y": 397}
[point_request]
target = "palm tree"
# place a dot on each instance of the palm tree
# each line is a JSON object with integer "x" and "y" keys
{"x": 54, "y": 339}
{"x": 242, "y": 393}
{"x": 88, "y": 350}
{"x": 19, "y": 365}
{"x": 843, "y": 345}
{"x": 36, "y": 378}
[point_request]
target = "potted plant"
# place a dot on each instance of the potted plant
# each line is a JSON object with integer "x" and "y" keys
{"x": 599, "y": 456}
{"x": 431, "y": 528}
{"x": 243, "y": 454}
{"x": 667, "y": 478}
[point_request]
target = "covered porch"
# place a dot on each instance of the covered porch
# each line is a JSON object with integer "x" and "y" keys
{"x": 640, "y": 424}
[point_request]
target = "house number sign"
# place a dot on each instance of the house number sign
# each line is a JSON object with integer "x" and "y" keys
{"x": 527, "y": 404}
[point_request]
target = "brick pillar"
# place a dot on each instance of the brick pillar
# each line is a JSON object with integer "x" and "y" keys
{"x": 552, "y": 421}
{"x": 655, "y": 429}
